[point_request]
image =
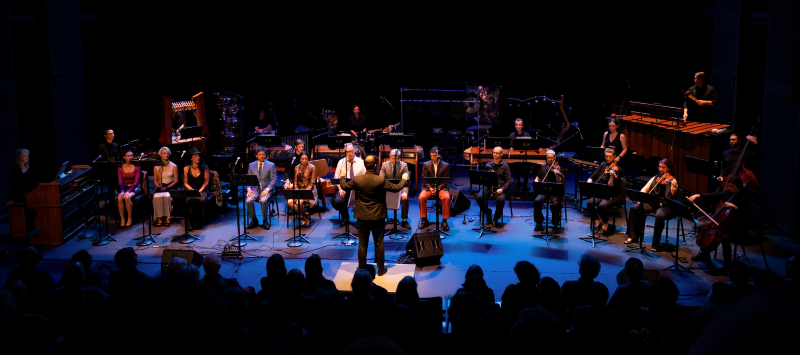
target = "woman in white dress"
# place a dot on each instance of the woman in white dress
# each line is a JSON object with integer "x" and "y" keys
{"x": 164, "y": 178}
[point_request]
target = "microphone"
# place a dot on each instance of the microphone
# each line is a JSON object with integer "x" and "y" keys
{"x": 237, "y": 161}
{"x": 184, "y": 152}
{"x": 295, "y": 104}
{"x": 98, "y": 157}
{"x": 141, "y": 156}
{"x": 293, "y": 158}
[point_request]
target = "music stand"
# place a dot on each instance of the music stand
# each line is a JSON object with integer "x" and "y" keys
{"x": 596, "y": 154}
{"x": 643, "y": 197}
{"x": 346, "y": 234}
{"x": 186, "y": 237}
{"x": 547, "y": 189}
{"x": 599, "y": 192}
{"x": 393, "y": 202}
{"x": 106, "y": 170}
{"x": 698, "y": 167}
{"x": 149, "y": 238}
{"x": 680, "y": 210}
{"x": 438, "y": 182}
{"x": 243, "y": 181}
{"x": 399, "y": 142}
{"x": 485, "y": 179}
{"x": 524, "y": 144}
{"x": 338, "y": 142}
{"x": 297, "y": 195}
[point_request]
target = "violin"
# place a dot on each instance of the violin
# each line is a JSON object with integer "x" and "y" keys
{"x": 612, "y": 168}
{"x": 556, "y": 168}
{"x": 663, "y": 179}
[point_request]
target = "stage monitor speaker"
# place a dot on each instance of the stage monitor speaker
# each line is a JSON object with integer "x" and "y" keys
{"x": 425, "y": 248}
{"x": 458, "y": 202}
{"x": 189, "y": 255}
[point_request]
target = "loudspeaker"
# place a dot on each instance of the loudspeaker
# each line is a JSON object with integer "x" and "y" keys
{"x": 458, "y": 202}
{"x": 425, "y": 248}
{"x": 190, "y": 256}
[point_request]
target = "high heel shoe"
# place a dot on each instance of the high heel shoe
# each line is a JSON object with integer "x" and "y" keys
{"x": 159, "y": 221}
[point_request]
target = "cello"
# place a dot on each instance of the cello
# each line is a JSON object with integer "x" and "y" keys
{"x": 710, "y": 235}
{"x": 749, "y": 180}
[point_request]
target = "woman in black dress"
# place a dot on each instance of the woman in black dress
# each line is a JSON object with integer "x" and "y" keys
{"x": 613, "y": 138}
{"x": 20, "y": 177}
{"x": 196, "y": 177}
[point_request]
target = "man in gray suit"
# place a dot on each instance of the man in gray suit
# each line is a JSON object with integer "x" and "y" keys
{"x": 266, "y": 173}
{"x": 370, "y": 209}
{"x": 394, "y": 169}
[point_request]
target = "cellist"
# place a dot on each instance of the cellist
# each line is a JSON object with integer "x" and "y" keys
{"x": 730, "y": 156}
{"x": 736, "y": 230}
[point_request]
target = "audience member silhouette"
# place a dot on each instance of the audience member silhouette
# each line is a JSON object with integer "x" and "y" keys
{"x": 212, "y": 279}
{"x": 273, "y": 286}
{"x": 38, "y": 283}
{"x": 548, "y": 294}
{"x": 575, "y": 293}
{"x": 92, "y": 278}
{"x": 73, "y": 303}
{"x": 127, "y": 277}
{"x": 377, "y": 292}
{"x": 589, "y": 319}
{"x": 314, "y": 276}
{"x": 528, "y": 277}
{"x": 537, "y": 330}
{"x": 636, "y": 289}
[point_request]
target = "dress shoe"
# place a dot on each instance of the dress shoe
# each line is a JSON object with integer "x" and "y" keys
{"x": 423, "y": 223}
{"x": 556, "y": 229}
{"x": 265, "y": 226}
{"x": 497, "y": 224}
{"x": 444, "y": 227}
{"x": 538, "y": 228}
{"x": 382, "y": 270}
{"x": 253, "y": 224}
{"x": 405, "y": 224}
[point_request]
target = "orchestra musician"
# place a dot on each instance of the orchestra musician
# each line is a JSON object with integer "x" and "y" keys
{"x": 305, "y": 178}
{"x": 196, "y": 176}
{"x": 434, "y": 168}
{"x": 706, "y": 98}
{"x": 549, "y": 172}
{"x": 613, "y": 138}
{"x": 348, "y": 167}
{"x": 607, "y": 173}
{"x": 737, "y": 231}
{"x": 128, "y": 178}
{"x": 370, "y": 209}
{"x": 164, "y": 178}
{"x": 731, "y": 156}
{"x": 394, "y": 169}
{"x": 357, "y": 122}
{"x": 504, "y": 182}
{"x": 293, "y": 160}
{"x": 267, "y": 176}
{"x": 261, "y": 122}
{"x": 108, "y": 149}
{"x": 664, "y": 185}
{"x": 521, "y": 167}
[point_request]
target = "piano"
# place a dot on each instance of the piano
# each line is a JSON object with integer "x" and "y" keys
{"x": 60, "y": 207}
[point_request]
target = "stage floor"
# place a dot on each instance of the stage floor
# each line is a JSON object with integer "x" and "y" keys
{"x": 495, "y": 253}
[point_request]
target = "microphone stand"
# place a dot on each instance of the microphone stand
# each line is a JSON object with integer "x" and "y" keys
{"x": 304, "y": 109}
{"x": 273, "y": 115}
{"x": 624, "y": 99}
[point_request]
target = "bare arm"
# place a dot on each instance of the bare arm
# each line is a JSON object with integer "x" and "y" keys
{"x": 207, "y": 179}
{"x": 624, "y": 141}
{"x": 186, "y": 178}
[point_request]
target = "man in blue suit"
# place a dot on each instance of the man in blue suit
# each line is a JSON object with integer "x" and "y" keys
{"x": 266, "y": 173}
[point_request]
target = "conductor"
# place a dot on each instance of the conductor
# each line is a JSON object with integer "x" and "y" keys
{"x": 370, "y": 209}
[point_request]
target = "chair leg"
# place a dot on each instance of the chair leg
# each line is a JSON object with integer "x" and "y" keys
{"x": 735, "y": 246}
{"x": 763, "y": 255}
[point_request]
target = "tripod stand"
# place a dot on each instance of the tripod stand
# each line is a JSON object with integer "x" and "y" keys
{"x": 547, "y": 189}
{"x": 243, "y": 181}
{"x": 106, "y": 169}
{"x": 486, "y": 179}
{"x": 638, "y": 196}
{"x": 297, "y": 196}
{"x": 680, "y": 210}
{"x": 186, "y": 237}
{"x": 599, "y": 192}
{"x": 149, "y": 238}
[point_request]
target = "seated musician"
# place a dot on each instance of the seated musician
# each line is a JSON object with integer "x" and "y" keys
{"x": 165, "y": 178}
{"x": 731, "y": 156}
{"x": 499, "y": 192}
{"x": 305, "y": 178}
{"x": 735, "y": 197}
{"x": 261, "y": 122}
{"x": 196, "y": 176}
{"x": 348, "y": 167}
{"x": 549, "y": 172}
{"x": 613, "y": 138}
{"x": 523, "y": 167}
{"x": 108, "y": 149}
{"x": 267, "y": 176}
{"x": 293, "y": 160}
{"x": 358, "y": 122}
{"x": 664, "y": 185}
{"x": 128, "y": 178}
{"x": 607, "y": 173}
{"x": 178, "y": 124}
{"x": 394, "y": 169}
{"x": 434, "y": 168}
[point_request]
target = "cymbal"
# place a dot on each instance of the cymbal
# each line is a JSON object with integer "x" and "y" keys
{"x": 480, "y": 127}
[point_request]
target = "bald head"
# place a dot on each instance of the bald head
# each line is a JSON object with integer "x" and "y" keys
{"x": 370, "y": 162}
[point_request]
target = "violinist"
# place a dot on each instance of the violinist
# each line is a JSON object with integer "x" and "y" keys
{"x": 730, "y": 156}
{"x": 550, "y": 172}
{"x": 737, "y": 230}
{"x": 664, "y": 185}
{"x": 607, "y": 173}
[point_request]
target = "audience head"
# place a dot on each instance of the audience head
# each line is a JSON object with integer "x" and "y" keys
{"x": 73, "y": 274}
{"x": 294, "y": 282}
{"x": 19, "y": 290}
{"x": 537, "y": 327}
{"x": 407, "y": 292}
{"x": 664, "y": 291}
{"x": 474, "y": 269}
{"x": 188, "y": 273}
{"x": 175, "y": 265}
{"x": 84, "y": 258}
{"x": 27, "y": 257}
{"x": 634, "y": 268}
{"x": 276, "y": 267}
{"x": 362, "y": 283}
{"x": 370, "y": 269}
{"x": 527, "y": 272}
{"x": 211, "y": 264}
{"x": 313, "y": 266}
{"x": 125, "y": 257}
{"x": 512, "y": 302}
{"x": 549, "y": 290}
{"x": 589, "y": 266}
{"x": 598, "y": 294}
{"x": 738, "y": 272}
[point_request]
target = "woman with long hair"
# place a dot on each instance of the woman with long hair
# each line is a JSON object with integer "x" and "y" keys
{"x": 196, "y": 177}
{"x": 613, "y": 138}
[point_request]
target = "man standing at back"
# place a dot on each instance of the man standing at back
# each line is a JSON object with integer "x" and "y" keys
{"x": 370, "y": 210}
{"x": 266, "y": 173}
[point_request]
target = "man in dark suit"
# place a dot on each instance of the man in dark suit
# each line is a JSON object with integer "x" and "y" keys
{"x": 370, "y": 209}
{"x": 434, "y": 168}
{"x": 504, "y": 179}
{"x": 394, "y": 169}
{"x": 267, "y": 176}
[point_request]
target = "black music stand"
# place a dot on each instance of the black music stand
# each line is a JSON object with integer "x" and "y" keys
{"x": 439, "y": 182}
{"x": 399, "y": 141}
{"x": 338, "y": 142}
{"x": 191, "y": 133}
{"x": 485, "y": 179}
{"x": 296, "y": 232}
{"x": 598, "y": 192}
{"x": 547, "y": 189}
{"x": 346, "y": 234}
{"x": 186, "y": 237}
{"x": 680, "y": 210}
{"x": 698, "y": 167}
{"x": 106, "y": 170}
{"x": 147, "y": 239}
{"x": 267, "y": 140}
{"x": 395, "y": 234}
{"x": 524, "y": 144}
{"x": 243, "y": 181}
{"x": 643, "y": 197}
{"x": 595, "y": 154}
